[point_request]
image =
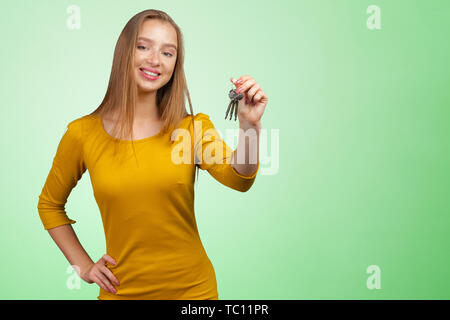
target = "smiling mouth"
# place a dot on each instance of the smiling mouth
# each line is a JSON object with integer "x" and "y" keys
{"x": 150, "y": 73}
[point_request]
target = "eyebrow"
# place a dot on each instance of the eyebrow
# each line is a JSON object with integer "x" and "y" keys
{"x": 165, "y": 44}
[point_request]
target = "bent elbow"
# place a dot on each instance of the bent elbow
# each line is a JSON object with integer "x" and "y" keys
{"x": 244, "y": 187}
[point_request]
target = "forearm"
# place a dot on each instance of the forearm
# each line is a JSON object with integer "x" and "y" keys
{"x": 246, "y": 156}
{"x": 67, "y": 241}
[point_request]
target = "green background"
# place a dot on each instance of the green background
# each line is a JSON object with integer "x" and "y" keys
{"x": 364, "y": 142}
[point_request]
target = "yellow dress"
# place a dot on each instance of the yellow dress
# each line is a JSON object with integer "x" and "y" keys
{"x": 146, "y": 202}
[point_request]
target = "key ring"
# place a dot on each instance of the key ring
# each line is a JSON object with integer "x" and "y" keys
{"x": 233, "y": 103}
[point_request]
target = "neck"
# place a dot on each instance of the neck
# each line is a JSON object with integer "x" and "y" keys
{"x": 146, "y": 108}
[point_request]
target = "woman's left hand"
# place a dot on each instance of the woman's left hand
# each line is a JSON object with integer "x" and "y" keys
{"x": 251, "y": 106}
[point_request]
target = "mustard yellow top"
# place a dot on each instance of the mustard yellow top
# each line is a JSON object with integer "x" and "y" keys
{"x": 146, "y": 205}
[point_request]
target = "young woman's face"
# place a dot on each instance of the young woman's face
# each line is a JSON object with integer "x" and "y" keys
{"x": 156, "y": 51}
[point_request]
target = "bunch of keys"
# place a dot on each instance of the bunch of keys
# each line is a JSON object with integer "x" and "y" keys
{"x": 233, "y": 103}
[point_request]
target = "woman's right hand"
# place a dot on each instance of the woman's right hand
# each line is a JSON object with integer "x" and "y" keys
{"x": 100, "y": 274}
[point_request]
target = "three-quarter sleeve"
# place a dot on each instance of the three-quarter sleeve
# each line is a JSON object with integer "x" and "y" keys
{"x": 67, "y": 168}
{"x": 215, "y": 156}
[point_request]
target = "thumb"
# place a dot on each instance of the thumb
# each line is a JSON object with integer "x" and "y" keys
{"x": 109, "y": 259}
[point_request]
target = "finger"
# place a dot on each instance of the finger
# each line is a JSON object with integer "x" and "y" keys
{"x": 100, "y": 283}
{"x": 105, "y": 281}
{"x": 264, "y": 98}
{"x": 245, "y": 86}
{"x": 260, "y": 96}
{"x": 252, "y": 91}
{"x": 241, "y": 80}
{"x": 244, "y": 78}
{"x": 108, "y": 258}
{"x": 257, "y": 97}
{"x": 110, "y": 275}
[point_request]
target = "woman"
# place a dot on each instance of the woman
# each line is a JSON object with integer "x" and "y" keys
{"x": 146, "y": 196}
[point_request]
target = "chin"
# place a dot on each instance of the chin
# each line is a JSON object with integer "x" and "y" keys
{"x": 146, "y": 89}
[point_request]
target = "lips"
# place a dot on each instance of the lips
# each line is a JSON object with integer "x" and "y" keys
{"x": 151, "y": 70}
{"x": 148, "y": 76}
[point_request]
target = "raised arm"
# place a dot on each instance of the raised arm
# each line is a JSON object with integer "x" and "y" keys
{"x": 250, "y": 111}
{"x": 245, "y": 159}
{"x": 215, "y": 156}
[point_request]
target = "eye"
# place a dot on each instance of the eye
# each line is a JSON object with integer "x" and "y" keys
{"x": 140, "y": 47}
{"x": 168, "y": 53}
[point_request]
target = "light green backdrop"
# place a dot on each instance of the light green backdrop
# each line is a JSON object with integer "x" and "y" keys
{"x": 364, "y": 142}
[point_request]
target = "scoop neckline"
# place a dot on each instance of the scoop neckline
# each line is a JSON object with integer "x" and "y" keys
{"x": 107, "y": 135}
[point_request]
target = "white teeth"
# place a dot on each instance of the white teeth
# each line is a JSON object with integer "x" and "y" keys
{"x": 150, "y": 73}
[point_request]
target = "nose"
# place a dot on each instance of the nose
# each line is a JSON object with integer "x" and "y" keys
{"x": 153, "y": 57}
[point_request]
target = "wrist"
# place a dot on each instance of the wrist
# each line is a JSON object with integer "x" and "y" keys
{"x": 86, "y": 267}
{"x": 250, "y": 125}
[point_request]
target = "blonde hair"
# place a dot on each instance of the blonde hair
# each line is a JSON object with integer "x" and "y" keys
{"x": 121, "y": 95}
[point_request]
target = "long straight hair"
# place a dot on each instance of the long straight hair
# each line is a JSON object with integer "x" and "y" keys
{"x": 121, "y": 95}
